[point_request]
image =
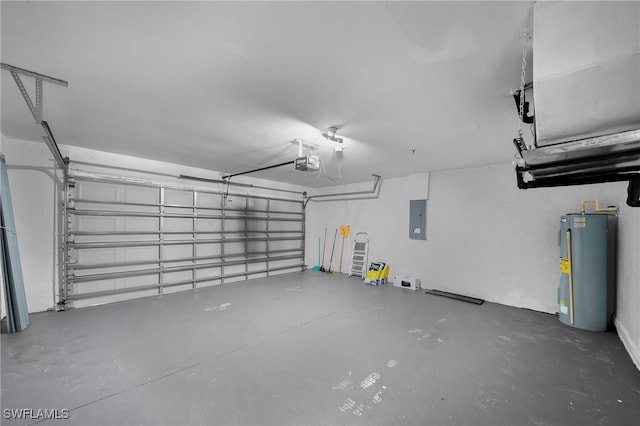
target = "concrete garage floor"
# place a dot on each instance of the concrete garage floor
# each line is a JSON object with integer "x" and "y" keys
{"x": 312, "y": 348}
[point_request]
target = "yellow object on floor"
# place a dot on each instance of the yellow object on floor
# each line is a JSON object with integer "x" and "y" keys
{"x": 377, "y": 274}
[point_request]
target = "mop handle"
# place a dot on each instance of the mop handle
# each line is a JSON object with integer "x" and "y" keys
{"x": 324, "y": 245}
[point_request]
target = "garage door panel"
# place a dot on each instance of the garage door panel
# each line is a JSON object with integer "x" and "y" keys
{"x": 208, "y": 250}
{"x": 112, "y": 298}
{"x": 177, "y": 252}
{"x": 96, "y": 224}
{"x": 174, "y": 277}
{"x": 97, "y": 191}
{"x": 178, "y": 224}
{"x": 257, "y": 266}
{"x": 204, "y": 225}
{"x": 208, "y": 200}
{"x": 129, "y": 240}
{"x": 134, "y": 224}
{"x": 234, "y": 225}
{"x": 232, "y": 249}
{"x": 257, "y": 204}
{"x": 215, "y": 272}
{"x": 183, "y": 198}
{"x": 176, "y": 289}
{"x": 257, "y": 226}
{"x": 136, "y": 194}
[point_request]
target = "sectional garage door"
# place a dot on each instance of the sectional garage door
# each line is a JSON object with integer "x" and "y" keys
{"x": 128, "y": 239}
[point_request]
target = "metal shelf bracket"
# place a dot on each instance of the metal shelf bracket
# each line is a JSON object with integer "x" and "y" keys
{"x": 37, "y": 109}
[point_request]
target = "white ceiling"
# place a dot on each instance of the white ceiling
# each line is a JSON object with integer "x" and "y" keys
{"x": 227, "y": 85}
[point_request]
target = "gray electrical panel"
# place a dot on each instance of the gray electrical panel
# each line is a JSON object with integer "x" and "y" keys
{"x": 418, "y": 219}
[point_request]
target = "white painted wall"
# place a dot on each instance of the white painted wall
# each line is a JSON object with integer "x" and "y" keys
{"x": 31, "y": 178}
{"x": 628, "y": 300}
{"x": 485, "y": 237}
{"x": 2, "y": 307}
{"x": 385, "y": 220}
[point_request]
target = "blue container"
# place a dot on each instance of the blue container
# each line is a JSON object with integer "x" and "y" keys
{"x": 589, "y": 268}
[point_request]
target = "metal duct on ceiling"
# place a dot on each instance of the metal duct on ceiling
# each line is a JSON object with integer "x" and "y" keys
{"x": 586, "y": 90}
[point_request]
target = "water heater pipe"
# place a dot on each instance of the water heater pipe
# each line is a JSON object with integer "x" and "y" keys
{"x": 596, "y": 205}
{"x": 568, "y": 235}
